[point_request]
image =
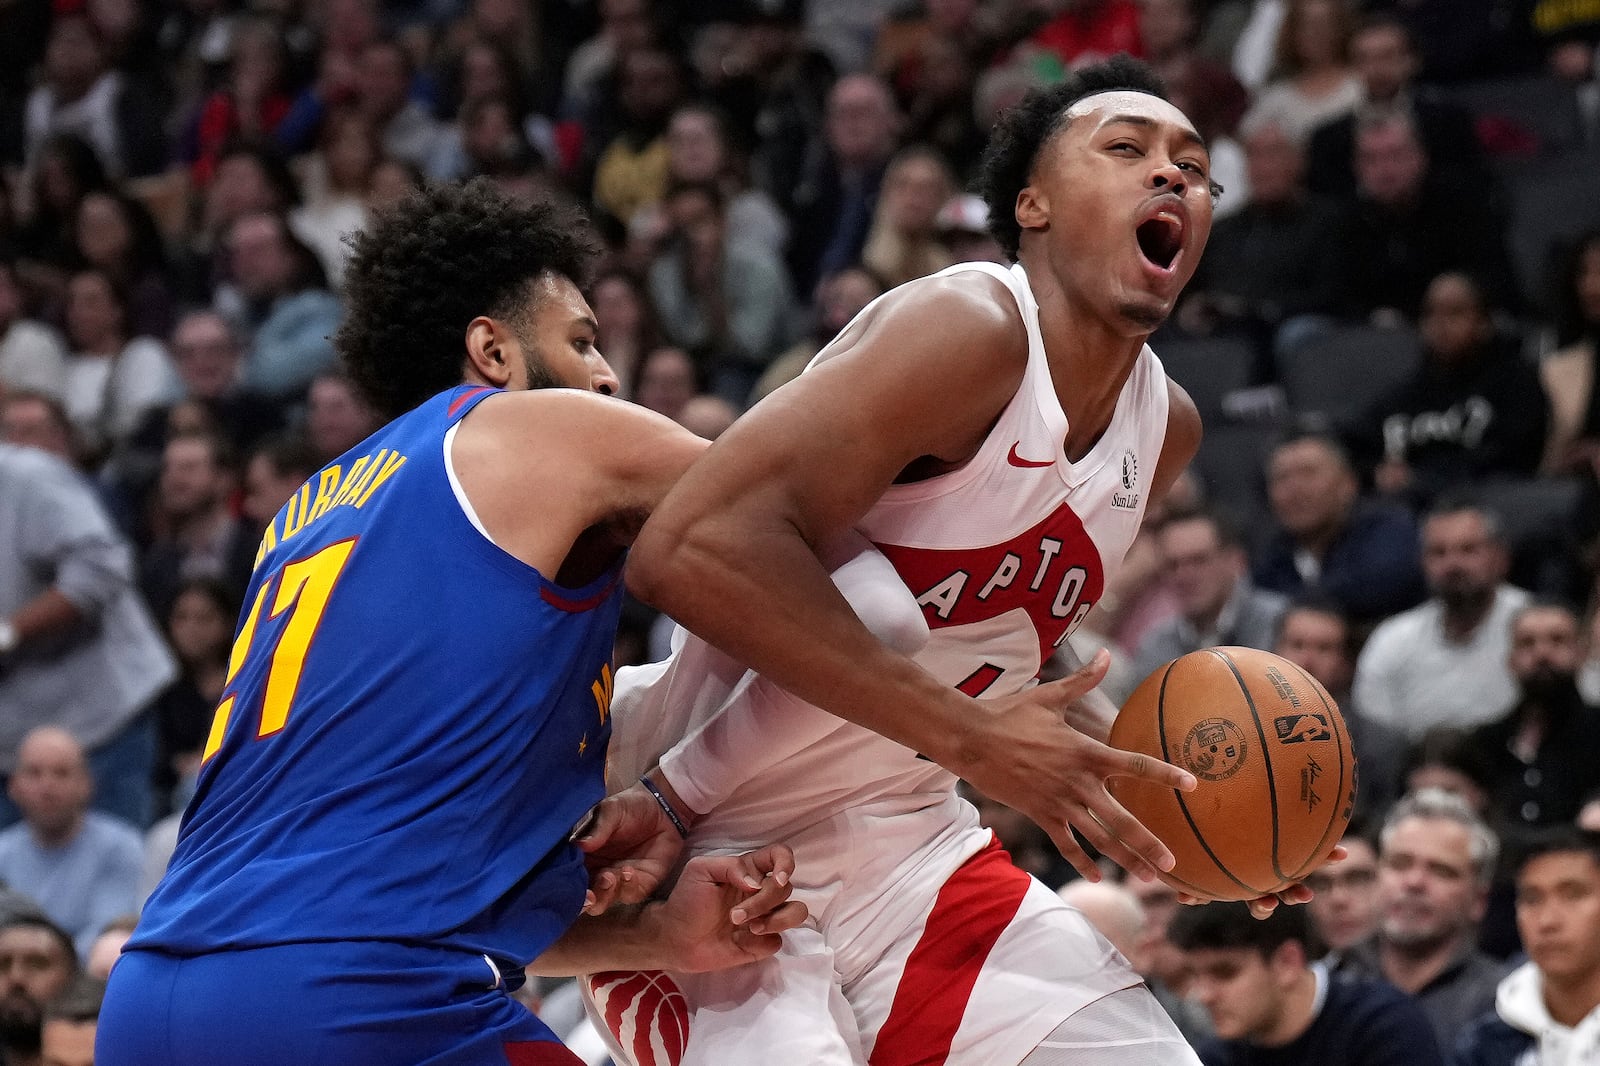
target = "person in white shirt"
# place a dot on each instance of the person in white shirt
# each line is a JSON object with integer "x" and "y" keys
{"x": 1443, "y": 662}
{"x": 1547, "y": 1011}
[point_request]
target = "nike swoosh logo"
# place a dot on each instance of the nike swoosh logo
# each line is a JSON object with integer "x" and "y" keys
{"x": 1016, "y": 460}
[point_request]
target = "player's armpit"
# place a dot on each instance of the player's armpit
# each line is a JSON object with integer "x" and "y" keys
{"x": 599, "y": 460}
{"x": 1184, "y": 431}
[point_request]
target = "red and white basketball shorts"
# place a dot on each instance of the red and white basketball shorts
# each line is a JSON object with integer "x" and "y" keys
{"x": 944, "y": 953}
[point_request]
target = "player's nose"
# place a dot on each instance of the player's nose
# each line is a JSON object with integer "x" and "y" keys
{"x": 602, "y": 378}
{"x": 1167, "y": 177}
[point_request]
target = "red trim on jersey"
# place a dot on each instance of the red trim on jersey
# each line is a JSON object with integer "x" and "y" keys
{"x": 561, "y": 603}
{"x": 973, "y": 909}
{"x": 465, "y": 398}
{"x": 539, "y": 1053}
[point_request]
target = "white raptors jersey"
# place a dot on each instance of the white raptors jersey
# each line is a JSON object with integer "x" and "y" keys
{"x": 1005, "y": 556}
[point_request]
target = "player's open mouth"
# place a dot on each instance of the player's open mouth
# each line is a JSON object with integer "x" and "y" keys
{"x": 1161, "y": 239}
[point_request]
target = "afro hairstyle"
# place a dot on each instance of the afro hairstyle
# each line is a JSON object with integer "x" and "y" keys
{"x": 432, "y": 263}
{"x": 1015, "y": 142}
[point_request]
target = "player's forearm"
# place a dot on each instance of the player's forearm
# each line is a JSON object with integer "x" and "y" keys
{"x": 797, "y": 630}
{"x": 623, "y": 938}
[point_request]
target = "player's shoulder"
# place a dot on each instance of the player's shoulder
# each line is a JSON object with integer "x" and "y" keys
{"x": 555, "y": 418}
{"x": 961, "y": 303}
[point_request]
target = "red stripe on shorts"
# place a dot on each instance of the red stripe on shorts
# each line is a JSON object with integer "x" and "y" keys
{"x": 972, "y": 910}
{"x": 539, "y": 1053}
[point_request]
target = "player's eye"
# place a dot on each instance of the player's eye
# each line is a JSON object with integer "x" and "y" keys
{"x": 1126, "y": 147}
{"x": 1192, "y": 168}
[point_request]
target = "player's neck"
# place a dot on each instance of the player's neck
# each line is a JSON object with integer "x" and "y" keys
{"x": 1570, "y": 1002}
{"x": 1090, "y": 360}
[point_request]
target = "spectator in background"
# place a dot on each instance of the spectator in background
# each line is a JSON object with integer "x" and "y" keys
{"x": 1112, "y": 910}
{"x": 625, "y": 26}
{"x": 113, "y": 379}
{"x": 1385, "y": 61}
{"x": 699, "y": 150}
{"x": 1538, "y": 761}
{"x": 37, "y": 963}
{"x": 1088, "y": 31}
{"x": 107, "y": 947}
{"x": 1314, "y": 82}
{"x": 1203, "y": 554}
{"x": 1344, "y": 911}
{"x": 70, "y": 1023}
{"x": 1569, "y": 372}
{"x": 250, "y": 105}
{"x": 281, "y": 301}
{"x": 627, "y": 324}
{"x": 668, "y": 379}
{"x": 405, "y": 127}
{"x": 1547, "y": 1011}
{"x": 835, "y": 200}
{"x": 276, "y": 467}
{"x": 630, "y": 171}
{"x": 200, "y": 628}
{"x": 963, "y": 228}
{"x": 1415, "y": 219}
{"x": 195, "y": 531}
{"x": 114, "y": 233}
{"x": 35, "y": 420}
{"x": 1315, "y": 635}
{"x": 1435, "y": 862}
{"x": 210, "y": 363}
{"x": 32, "y": 356}
{"x": 1444, "y": 662}
{"x": 840, "y": 297}
{"x": 82, "y": 95}
{"x": 938, "y": 101}
{"x": 722, "y": 297}
{"x": 1589, "y": 814}
{"x": 1271, "y": 1005}
{"x": 334, "y": 184}
{"x": 337, "y": 416}
{"x": 77, "y": 647}
{"x": 1439, "y": 761}
{"x": 1474, "y": 410}
{"x": 903, "y": 243}
{"x": 67, "y": 170}
{"x": 82, "y": 866}
{"x": 1215, "y": 100}
{"x": 1256, "y": 279}
{"x": 1330, "y": 542}
{"x": 249, "y": 178}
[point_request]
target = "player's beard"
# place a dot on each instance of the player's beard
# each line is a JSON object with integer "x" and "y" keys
{"x": 539, "y": 376}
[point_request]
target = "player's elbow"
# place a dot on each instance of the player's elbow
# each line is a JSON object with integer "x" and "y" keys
{"x": 660, "y": 564}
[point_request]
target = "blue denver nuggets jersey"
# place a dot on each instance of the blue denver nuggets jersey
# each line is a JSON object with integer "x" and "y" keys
{"x": 414, "y": 721}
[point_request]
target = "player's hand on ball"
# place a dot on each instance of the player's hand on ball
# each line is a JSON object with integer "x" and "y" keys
{"x": 1057, "y": 776}
{"x": 1262, "y": 906}
{"x": 630, "y": 847}
{"x": 727, "y": 910}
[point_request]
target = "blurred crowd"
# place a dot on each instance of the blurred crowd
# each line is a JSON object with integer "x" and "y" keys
{"x": 1392, "y": 339}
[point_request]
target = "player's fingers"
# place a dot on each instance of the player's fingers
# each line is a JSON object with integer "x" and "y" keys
{"x": 1338, "y": 854}
{"x": 596, "y": 827}
{"x": 1262, "y": 906}
{"x": 1106, "y": 828}
{"x": 790, "y": 915}
{"x": 1296, "y": 894}
{"x": 1057, "y": 694}
{"x": 602, "y": 892}
{"x": 1073, "y": 852}
{"x": 774, "y": 859}
{"x": 634, "y": 885}
{"x": 768, "y": 897}
{"x": 1146, "y": 767}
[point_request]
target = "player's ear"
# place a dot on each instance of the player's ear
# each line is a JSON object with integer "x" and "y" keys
{"x": 486, "y": 356}
{"x": 1033, "y": 210}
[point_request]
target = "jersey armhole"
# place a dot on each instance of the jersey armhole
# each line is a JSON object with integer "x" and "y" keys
{"x": 456, "y": 489}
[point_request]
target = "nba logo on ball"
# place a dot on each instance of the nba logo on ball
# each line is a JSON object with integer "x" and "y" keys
{"x": 1272, "y": 757}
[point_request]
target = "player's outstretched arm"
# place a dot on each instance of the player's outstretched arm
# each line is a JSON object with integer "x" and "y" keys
{"x": 724, "y": 910}
{"x": 732, "y": 554}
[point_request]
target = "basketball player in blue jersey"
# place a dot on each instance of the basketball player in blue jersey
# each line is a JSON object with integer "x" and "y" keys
{"x": 416, "y": 712}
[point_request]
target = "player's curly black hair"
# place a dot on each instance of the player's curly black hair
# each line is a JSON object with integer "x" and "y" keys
{"x": 428, "y": 266}
{"x": 1016, "y": 139}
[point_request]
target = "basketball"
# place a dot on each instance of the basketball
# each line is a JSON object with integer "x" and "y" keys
{"x": 1277, "y": 779}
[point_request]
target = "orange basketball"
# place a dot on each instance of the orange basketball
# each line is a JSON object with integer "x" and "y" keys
{"x": 1277, "y": 778}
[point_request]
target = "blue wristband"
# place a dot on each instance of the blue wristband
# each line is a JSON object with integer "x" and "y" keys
{"x": 672, "y": 815}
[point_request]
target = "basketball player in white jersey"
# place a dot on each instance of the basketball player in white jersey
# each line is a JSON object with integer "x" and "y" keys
{"x": 997, "y": 434}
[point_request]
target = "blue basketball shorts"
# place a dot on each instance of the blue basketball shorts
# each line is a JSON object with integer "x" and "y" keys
{"x": 357, "y": 1003}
